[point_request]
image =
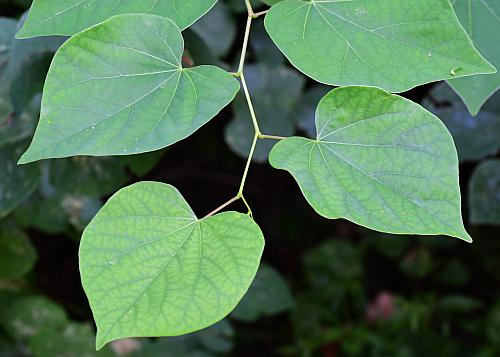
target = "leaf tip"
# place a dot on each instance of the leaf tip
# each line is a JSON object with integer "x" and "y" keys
{"x": 100, "y": 341}
{"x": 465, "y": 237}
{"x": 25, "y": 159}
{"x": 22, "y": 34}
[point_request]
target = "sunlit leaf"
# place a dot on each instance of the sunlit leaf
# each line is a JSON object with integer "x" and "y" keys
{"x": 380, "y": 161}
{"x": 392, "y": 44}
{"x": 119, "y": 88}
{"x": 151, "y": 268}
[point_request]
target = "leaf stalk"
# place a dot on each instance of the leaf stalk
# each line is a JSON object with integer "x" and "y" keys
{"x": 257, "y": 133}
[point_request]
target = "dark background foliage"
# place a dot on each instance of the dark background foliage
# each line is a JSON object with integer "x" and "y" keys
{"x": 328, "y": 288}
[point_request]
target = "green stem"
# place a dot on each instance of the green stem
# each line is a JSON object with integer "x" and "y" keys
{"x": 221, "y": 207}
{"x": 250, "y": 105}
{"x": 247, "y": 166}
{"x": 248, "y": 206}
{"x": 258, "y": 135}
{"x": 245, "y": 45}
{"x": 272, "y": 137}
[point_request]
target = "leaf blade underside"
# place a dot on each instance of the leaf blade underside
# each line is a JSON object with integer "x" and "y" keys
{"x": 118, "y": 88}
{"x": 151, "y": 268}
{"x": 67, "y": 18}
{"x": 392, "y": 44}
{"x": 380, "y": 161}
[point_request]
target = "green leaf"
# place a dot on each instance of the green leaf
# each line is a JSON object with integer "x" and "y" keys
{"x": 475, "y": 137}
{"x": 118, "y": 88}
{"x": 16, "y": 182}
{"x": 380, "y": 161}
{"x": 269, "y": 295}
{"x": 481, "y": 19}
{"x": 392, "y": 44}
{"x": 24, "y": 50}
{"x": 17, "y": 254}
{"x": 48, "y": 17}
{"x": 151, "y": 268}
{"x": 484, "y": 200}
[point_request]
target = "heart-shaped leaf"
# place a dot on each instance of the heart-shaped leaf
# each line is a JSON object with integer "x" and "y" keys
{"x": 68, "y": 17}
{"x": 392, "y": 44}
{"x": 151, "y": 268}
{"x": 119, "y": 88}
{"x": 380, "y": 161}
{"x": 481, "y": 19}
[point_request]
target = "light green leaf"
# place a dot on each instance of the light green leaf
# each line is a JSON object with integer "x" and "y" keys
{"x": 380, "y": 161}
{"x": 269, "y": 295}
{"x": 392, "y": 44}
{"x": 475, "y": 137}
{"x": 17, "y": 254}
{"x": 151, "y": 268}
{"x": 481, "y": 19}
{"x": 48, "y": 17}
{"x": 118, "y": 88}
{"x": 16, "y": 182}
{"x": 484, "y": 198}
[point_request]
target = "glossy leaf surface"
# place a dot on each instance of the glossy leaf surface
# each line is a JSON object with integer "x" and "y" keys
{"x": 119, "y": 88}
{"x": 151, "y": 268}
{"x": 380, "y": 161}
{"x": 392, "y": 44}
